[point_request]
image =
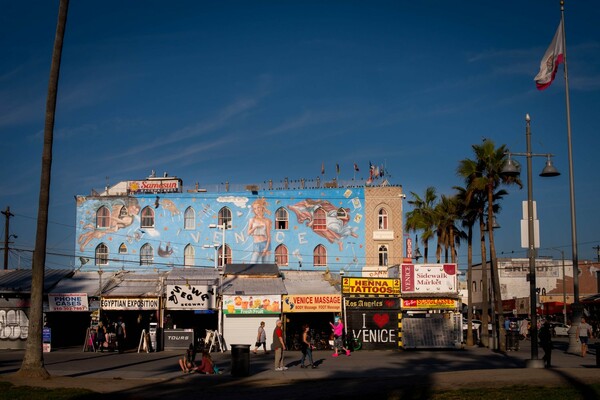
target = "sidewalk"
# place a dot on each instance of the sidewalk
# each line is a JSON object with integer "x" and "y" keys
{"x": 364, "y": 373}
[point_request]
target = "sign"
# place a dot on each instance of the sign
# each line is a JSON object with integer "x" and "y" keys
{"x": 438, "y": 331}
{"x": 312, "y": 303}
{"x": 46, "y": 340}
{"x": 68, "y": 302}
{"x": 376, "y": 330}
{"x": 178, "y": 338}
{"x": 429, "y": 278}
{"x": 371, "y": 286}
{"x": 372, "y": 303}
{"x": 120, "y": 303}
{"x": 190, "y": 297}
{"x": 261, "y": 304}
{"x": 428, "y": 304}
{"x": 519, "y": 267}
{"x": 155, "y": 186}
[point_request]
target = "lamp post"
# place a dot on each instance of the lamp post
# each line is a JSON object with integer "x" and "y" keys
{"x": 511, "y": 169}
{"x": 562, "y": 256}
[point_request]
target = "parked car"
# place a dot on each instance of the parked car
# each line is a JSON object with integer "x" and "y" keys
{"x": 559, "y": 329}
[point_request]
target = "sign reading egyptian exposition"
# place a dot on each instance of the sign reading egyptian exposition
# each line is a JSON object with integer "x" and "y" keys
{"x": 68, "y": 302}
{"x": 126, "y": 303}
{"x": 312, "y": 303}
{"x": 429, "y": 278}
{"x": 371, "y": 286}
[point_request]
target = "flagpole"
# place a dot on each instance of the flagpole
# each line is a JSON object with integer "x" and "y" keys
{"x": 573, "y": 347}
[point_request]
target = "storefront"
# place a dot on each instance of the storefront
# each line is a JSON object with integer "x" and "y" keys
{"x": 430, "y": 307}
{"x": 251, "y": 294}
{"x": 371, "y": 310}
{"x": 316, "y": 310}
{"x": 190, "y": 306}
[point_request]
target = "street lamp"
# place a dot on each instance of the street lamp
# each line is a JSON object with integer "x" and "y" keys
{"x": 214, "y": 246}
{"x": 510, "y": 169}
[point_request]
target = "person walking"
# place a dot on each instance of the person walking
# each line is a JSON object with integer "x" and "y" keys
{"x": 338, "y": 336}
{"x": 584, "y": 331}
{"x": 121, "y": 335}
{"x": 279, "y": 346}
{"x": 306, "y": 347}
{"x": 261, "y": 338}
{"x": 546, "y": 343}
{"x": 100, "y": 337}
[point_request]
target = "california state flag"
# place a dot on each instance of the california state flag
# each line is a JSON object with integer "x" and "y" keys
{"x": 553, "y": 56}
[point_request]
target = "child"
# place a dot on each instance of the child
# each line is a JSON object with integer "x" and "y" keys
{"x": 187, "y": 363}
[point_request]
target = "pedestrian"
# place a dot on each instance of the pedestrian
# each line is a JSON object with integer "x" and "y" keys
{"x": 188, "y": 361}
{"x": 584, "y": 331}
{"x": 279, "y": 346}
{"x": 546, "y": 343}
{"x": 261, "y": 338}
{"x": 306, "y": 347}
{"x": 338, "y": 336}
{"x": 121, "y": 335}
{"x": 100, "y": 337}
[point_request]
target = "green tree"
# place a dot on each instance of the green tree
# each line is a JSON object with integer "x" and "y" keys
{"x": 422, "y": 217}
{"x": 33, "y": 360}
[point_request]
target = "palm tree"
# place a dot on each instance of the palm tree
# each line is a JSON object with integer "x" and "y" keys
{"x": 33, "y": 360}
{"x": 422, "y": 218}
{"x": 490, "y": 161}
{"x": 449, "y": 235}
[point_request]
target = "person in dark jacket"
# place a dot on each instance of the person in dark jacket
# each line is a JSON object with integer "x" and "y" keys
{"x": 546, "y": 343}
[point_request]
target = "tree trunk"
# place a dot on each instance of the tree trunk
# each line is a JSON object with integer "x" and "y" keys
{"x": 33, "y": 360}
{"x": 484, "y": 287}
{"x": 470, "y": 287}
{"x": 499, "y": 322}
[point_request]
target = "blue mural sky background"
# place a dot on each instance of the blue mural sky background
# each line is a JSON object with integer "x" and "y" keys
{"x": 343, "y": 238}
{"x": 247, "y": 92}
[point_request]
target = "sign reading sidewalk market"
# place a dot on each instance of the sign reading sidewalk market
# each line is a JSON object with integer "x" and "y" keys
{"x": 129, "y": 303}
{"x": 68, "y": 302}
{"x": 312, "y": 303}
{"x": 429, "y": 278}
{"x": 260, "y": 304}
{"x": 371, "y": 286}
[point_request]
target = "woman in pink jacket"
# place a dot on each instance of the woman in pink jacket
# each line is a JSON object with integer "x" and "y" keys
{"x": 338, "y": 333}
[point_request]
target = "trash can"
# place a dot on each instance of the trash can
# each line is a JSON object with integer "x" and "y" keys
{"x": 240, "y": 359}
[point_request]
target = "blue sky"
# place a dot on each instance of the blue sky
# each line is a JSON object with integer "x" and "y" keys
{"x": 247, "y": 91}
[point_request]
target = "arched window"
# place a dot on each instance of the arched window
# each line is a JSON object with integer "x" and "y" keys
{"x": 147, "y": 217}
{"x": 383, "y": 219}
{"x": 383, "y": 255}
{"x": 101, "y": 254}
{"x": 225, "y": 217}
{"x": 281, "y": 218}
{"x": 189, "y": 218}
{"x": 146, "y": 255}
{"x": 227, "y": 255}
{"x": 189, "y": 255}
{"x": 281, "y": 255}
{"x": 123, "y": 212}
{"x": 320, "y": 256}
{"x": 123, "y": 248}
{"x": 103, "y": 217}
{"x": 474, "y": 286}
{"x": 319, "y": 220}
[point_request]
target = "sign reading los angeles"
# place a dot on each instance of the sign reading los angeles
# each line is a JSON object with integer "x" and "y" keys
{"x": 371, "y": 286}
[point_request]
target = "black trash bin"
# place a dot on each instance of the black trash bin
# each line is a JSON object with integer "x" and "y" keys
{"x": 240, "y": 359}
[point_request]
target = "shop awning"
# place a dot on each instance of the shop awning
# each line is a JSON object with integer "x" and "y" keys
{"x": 308, "y": 282}
{"x": 18, "y": 281}
{"x": 128, "y": 284}
{"x": 233, "y": 285}
{"x": 80, "y": 282}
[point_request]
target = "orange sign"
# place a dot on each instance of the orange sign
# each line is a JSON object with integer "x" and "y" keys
{"x": 429, "y": 303}
{"x": 312, "y": 303}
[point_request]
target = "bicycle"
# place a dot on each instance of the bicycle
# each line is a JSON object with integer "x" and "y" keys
{"x": 353, "y": 343}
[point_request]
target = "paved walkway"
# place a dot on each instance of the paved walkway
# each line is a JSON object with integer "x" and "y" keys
{"x": 388, "y": 374}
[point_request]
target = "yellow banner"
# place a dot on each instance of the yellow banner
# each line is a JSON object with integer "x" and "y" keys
{"x": 371, "y": 286}
{"x": 312, "y": 303}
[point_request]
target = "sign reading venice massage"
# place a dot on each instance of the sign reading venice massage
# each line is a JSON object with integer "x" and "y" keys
{"x": 121, "y": 303}
{"x": 371, "y": 286}
{"x": 68, "y": 302}
{"x": 429, "y": 278}
{"x": 312, "y": 303}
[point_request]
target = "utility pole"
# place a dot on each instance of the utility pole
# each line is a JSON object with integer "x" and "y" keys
{"x": 597, "y": 248}
{"x": 7, "y": 215}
